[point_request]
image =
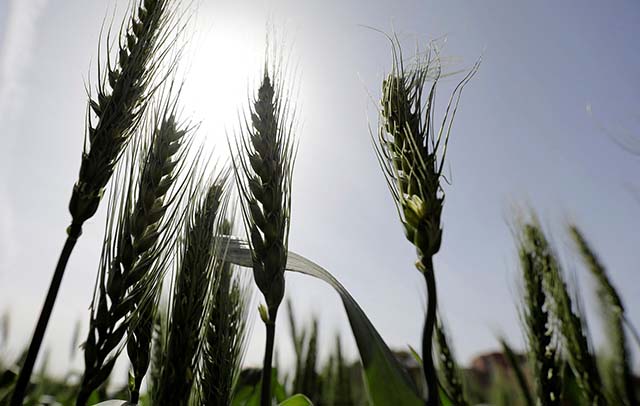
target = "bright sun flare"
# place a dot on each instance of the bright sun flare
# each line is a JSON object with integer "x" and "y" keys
{"x": 223, "y": 65}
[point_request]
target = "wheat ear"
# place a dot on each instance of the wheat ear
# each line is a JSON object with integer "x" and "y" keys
{"x": 539, "y": 328}
{"x": 194, "y": 280}
{"x": 412, "y": 158}
{"x": 263, "y": 168}
{"x": 451, "y": 377}
{"x": 117, "y": 108}
{"x": 570, "y": 325}
{"x": 613, "y": 313}
{"x": 135, "y": 254}
{"x": 225, "y": 336}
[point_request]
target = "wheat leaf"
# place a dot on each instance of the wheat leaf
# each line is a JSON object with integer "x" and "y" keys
{"x": 387, "y": 382}
{"x": 297, "y": 400}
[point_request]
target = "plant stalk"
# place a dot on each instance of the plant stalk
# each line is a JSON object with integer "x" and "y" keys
{"x": 265, "y": 392}
{"x": 83, "y": 397}
{"x": 73, "y": 233}
{"x": 134, "y": 398}
{"x": 426, "y": 266}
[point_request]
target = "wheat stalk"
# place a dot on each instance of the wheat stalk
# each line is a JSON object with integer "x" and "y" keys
{"x": 194, "y": 280}
{"x": 412, "y": 158}
{"x": 451, "y": 378}
{"x": 135, "y": 254}
{"x": 570, "y": 324}
{"x": 539, "y": 329}
{"x": 613, "y": 313}
{"x": 263, "y": 168}
{"x": 117, "y": 107}
{"x": 225, "y": 337}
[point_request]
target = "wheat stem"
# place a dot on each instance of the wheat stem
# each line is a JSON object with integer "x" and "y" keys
{"x": 73, "y": 232}
{"x": 264, "y": 169}
{"x": 118, "y": 112}
{"x": 412, "y": 155}
{"x": 426, "y": 267}
{"x": 265, "y": 391}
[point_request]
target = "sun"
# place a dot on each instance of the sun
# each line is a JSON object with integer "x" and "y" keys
{"x": 223, "y": 63}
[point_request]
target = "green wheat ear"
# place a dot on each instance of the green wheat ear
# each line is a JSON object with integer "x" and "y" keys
{"x": 137, "y": 245}
{"x": 122, "y": 95}
{"x": 263, "y": 164}
{"x": 195, "y": 280}
{"x": 225, "y": 336}
{"x": 613, "y": 312}
{"x": 449, "y": 371}
{"x": 411, "y": 154}
{"x": 570, "y": 324}
{"x": 123, "y": 92}
{"x": 534, "y": 262}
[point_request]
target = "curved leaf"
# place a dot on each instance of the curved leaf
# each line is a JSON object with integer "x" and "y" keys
{"x": 388, "y": 383}
{"x": 297, "y": 400}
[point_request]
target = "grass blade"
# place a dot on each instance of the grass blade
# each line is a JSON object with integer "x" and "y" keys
{"x": 388, "y": 383}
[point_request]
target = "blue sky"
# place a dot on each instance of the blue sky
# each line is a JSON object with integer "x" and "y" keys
{"x": 522, "y": 138}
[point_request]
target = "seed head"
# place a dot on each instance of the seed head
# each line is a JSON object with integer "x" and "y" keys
{"x": 134, "y": 252}
{"x": 119, "y": 103}
{"x": 410, "y": 153}
{"x": 263, "y": 170}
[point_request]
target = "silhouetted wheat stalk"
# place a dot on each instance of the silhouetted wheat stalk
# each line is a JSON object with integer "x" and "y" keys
{"x": 117, "y": 108}
{"x": 135, "y": 253}
{"x": 263, "y": 168}
{"x": 195, "y": 281}
{"x": 412, "y": 158}
{"x": 225, "y": 337}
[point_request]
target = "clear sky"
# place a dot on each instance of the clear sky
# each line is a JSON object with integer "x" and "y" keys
{"x": 522, "y": 138}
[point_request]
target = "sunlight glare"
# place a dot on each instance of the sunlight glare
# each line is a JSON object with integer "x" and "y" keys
{"x": 223, "y": 68}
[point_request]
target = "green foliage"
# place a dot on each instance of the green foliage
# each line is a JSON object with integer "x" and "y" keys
{"x": 387, "y": 381}
{"x": 249, "y": 388}
{"x": 297, "y": 400}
